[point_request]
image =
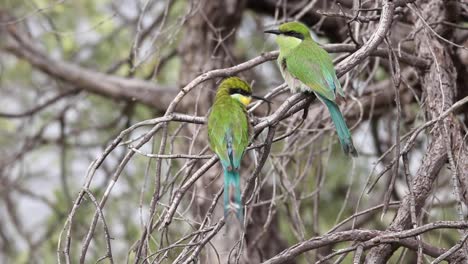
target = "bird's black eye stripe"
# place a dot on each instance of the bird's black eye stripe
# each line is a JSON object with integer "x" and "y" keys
{"x": 294, "y": 34}
{"x": 239, "y": 91}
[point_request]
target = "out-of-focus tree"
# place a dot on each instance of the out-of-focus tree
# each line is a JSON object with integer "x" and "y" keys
{"x": 103, "y": 148}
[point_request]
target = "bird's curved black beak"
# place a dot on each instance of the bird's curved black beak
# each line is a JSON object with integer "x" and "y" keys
{"x": 272, "y": 31}
{"x": 260, "y": 98}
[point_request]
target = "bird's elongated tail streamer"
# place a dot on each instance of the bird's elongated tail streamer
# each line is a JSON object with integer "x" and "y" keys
{"x": 232, "y": 194}
{"x": 341, "y": 128}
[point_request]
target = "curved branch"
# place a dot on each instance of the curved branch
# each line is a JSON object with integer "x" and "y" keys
{"x": 371, "y": 238}
{"x": 377, "y": 38}
{"x": 93, "y": 81}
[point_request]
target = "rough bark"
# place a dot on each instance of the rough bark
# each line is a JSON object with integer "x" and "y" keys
{"x": 438, "y": 84}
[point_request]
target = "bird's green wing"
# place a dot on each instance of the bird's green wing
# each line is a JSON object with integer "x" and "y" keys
{"x": 313, "y": 66}
{"x": 228, "y": 132}
{"x": 228, "y": 135}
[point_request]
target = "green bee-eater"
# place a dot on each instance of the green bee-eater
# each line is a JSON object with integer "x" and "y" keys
{"x": 307, "y": 67}
{"x": 228, "y": 133}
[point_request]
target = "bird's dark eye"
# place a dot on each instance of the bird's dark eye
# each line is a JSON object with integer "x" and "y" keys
{"x": 239, "y": 91}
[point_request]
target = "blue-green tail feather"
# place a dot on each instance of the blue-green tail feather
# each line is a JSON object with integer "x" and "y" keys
{"x": 232, "y": 194}
{"x": 341, "y": 128}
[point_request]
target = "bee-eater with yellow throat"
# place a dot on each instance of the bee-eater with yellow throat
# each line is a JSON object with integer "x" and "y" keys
{"x": 228, "y": 133}
{"x": 307, "y": 67}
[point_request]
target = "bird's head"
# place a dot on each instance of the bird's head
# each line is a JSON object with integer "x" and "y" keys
{"x": 238, "y": 90}
{"x": 290, "y": 34}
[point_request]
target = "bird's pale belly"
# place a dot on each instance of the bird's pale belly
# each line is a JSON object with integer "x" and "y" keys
{"x": 294, "y": 84}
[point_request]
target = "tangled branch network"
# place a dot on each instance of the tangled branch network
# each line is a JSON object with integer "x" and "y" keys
{"x": 286, "y": 141}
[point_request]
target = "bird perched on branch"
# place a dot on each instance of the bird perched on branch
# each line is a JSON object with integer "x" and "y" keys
{"x": 228, "y": 133}
{"x": 306, "y": 67}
